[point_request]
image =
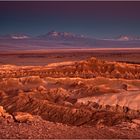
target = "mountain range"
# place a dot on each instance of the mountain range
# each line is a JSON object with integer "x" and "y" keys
{"x": 54, "y": 35}
{"x": 55, "y": 39}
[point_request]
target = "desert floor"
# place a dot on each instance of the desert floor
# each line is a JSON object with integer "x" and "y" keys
{"x": 43, "y": 57}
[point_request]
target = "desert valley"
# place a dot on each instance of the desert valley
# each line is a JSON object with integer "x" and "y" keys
{"x": 71, "y": 94}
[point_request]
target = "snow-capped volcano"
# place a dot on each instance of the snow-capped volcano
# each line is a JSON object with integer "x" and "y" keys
{"x": 15, "y": 36}
{"x": 19, "y": 37}
{"x": 127, "y": 38}
{"x": 53, "y": 35}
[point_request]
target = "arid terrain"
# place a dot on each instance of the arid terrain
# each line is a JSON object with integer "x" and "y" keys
{"x": 70, "y": 94}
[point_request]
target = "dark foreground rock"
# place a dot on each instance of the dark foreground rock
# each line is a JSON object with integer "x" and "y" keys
{"x": 21, "y": 125}
{"x": 40, "y": 129}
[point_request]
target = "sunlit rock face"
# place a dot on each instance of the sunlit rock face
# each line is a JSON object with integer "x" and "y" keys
{"x": 89, "y": 68}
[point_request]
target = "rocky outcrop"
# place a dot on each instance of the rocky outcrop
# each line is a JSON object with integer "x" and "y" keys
{"x": 4, "y": 114}
{"x": 23, "y": 117}
{"x": 2, "y": 111}
{"x": 5, "y": 117}
{"x": 85, "y": 69}
{"x": 62, "y": 113}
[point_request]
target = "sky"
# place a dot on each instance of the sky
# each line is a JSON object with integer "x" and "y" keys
{"x": 94, "y": 18}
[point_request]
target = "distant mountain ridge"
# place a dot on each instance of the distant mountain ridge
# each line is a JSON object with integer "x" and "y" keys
{"x": 66, "y": 36}
{"x": 54, "y": 39}
{"x": 53, "y": 35}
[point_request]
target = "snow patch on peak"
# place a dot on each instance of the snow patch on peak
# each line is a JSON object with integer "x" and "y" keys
{"x": 19, "y": 37}
{"x": 127, "y": 38}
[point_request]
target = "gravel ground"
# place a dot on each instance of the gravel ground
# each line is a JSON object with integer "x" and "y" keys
{"x": 41, "y": 129}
